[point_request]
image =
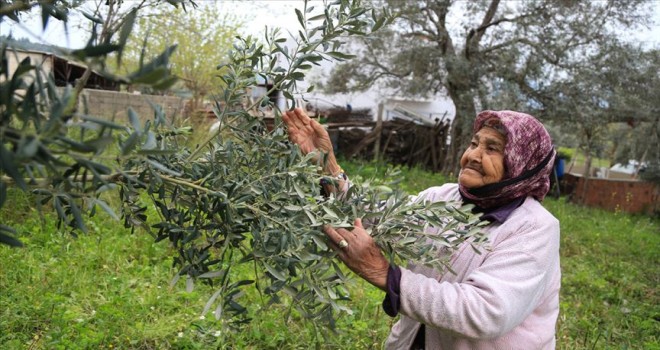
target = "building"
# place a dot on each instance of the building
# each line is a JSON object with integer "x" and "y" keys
{"x": 64, "y": 71}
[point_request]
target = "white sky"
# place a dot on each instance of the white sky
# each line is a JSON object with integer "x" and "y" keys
{"x": 257, "y": 14}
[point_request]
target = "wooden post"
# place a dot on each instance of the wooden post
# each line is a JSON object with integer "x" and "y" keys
{"x": 379, "y": 131}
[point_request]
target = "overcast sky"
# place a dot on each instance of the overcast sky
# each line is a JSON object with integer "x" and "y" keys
{"x": 279, "y": 13}
{"x": 257, "y": 14}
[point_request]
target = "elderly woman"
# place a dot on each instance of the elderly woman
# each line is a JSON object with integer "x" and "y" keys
{"x": 504, "y": 298}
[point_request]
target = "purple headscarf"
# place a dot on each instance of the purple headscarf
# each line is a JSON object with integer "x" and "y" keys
{"x": 528, "y": 160}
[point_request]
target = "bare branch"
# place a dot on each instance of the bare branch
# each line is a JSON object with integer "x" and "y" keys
{"x": 485, "y": 23}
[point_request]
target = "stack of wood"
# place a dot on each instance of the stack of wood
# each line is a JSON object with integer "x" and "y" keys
{"x": 401, "y": 142}
{"x": 340, "y": 115}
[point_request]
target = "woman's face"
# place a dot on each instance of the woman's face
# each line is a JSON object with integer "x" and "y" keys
{"x": 483, "y": 161}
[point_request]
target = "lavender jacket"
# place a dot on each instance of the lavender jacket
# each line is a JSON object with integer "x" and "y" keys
{"x": 504, "y": 298}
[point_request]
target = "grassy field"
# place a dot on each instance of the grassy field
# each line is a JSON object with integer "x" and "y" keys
{"x": 110, "y": 289}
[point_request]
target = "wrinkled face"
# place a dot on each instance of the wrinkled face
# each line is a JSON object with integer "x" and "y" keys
{"x": 483, "y": 162}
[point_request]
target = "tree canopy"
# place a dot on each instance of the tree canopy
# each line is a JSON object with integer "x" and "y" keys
{"x": 204, "y": 39}
{"x": 495, "y": 55}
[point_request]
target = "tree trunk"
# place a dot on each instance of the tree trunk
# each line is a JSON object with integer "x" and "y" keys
{"x": 379, "y": 127}
{"x": 461, "y": 127}
{"x": 587, "y": 172}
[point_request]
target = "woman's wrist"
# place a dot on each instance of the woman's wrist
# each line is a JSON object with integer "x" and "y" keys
{"x": 380, "y": 281}
{"x": 333, "y": 168}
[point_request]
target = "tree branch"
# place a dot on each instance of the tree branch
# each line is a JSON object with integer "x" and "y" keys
{"x": 20, "y": 6}
{"x": 485, "y": 23}
{"x": 443, "y": 38}
{"x": 475, "y": 35}
{"x": 112, "y": 178}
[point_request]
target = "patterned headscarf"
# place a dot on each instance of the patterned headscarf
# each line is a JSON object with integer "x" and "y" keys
{"x": 528, "y": 160}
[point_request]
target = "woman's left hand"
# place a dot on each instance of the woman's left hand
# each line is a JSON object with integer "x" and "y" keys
{"x": 360, "y": 253}
{"x": 311, "y": 136}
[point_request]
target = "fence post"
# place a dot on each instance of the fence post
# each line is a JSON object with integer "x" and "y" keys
{"x": 379, "y": 131}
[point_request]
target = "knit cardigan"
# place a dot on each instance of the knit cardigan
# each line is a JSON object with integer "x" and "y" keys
{"x": 506, "y": 297}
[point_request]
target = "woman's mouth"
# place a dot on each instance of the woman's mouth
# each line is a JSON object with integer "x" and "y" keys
{"x": 474, "y": 169}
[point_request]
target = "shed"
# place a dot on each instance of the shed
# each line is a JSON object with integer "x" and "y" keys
{"x": 65, "y": 71}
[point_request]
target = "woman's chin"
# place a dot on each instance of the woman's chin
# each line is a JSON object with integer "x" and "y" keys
{"x": 469, "y": 181}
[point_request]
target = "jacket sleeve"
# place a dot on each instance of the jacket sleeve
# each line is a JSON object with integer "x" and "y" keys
{"x": 497, "y": 295}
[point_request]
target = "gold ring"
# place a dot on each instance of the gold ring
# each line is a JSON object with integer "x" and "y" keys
{"x": 342, "y": 243}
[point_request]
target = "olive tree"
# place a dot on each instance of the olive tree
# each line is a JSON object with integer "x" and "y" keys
{"x": 243, "y": 197}
{"x": 616, "y": 85}
{"x": 485, "y": 54}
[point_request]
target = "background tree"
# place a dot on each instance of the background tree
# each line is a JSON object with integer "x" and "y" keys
{"x": 637, "y": 91}
{"x": 204, "y": 38}
{"x": 617, "y": 84}
{"x": 486, "y": 54}
{"x": 110, "y": 24}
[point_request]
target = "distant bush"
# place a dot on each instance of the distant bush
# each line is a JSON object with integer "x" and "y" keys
{"x": 565, "y": 153}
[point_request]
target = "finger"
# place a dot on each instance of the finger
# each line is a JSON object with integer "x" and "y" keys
{"x": 318, "y": 128}
{"x": 339, "y": 251}
{"x": 298, "y": 119}
{"x": 288, "y": 120}
{"x": 285, "y": 117}
{"x": 293, "y": 126}
{"x": 334, "y": 236}
{"x": 357, "y": 227}
{"x": 333, "y": 246}
{"x": 302, "y": 115}
{"x": 290, "y": 117}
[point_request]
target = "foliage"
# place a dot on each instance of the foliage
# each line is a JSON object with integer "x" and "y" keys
{"x": 253, "y": 199}
{"x": 204, "y": 38}
{"x": 532, "y": 56}
{"x": 110, "y": 289}
{"x": 40, "y": 144}
{"x": 622, "y": 91}
{"x": 638, "y": 142}
{"x": 243, "y": 196}
{"x": 117, "y": 295}
{"x": 565, "y": 153}
{"x": 411, "y": 179}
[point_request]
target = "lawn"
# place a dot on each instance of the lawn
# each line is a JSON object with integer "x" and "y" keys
{"x": 111, "y": 289}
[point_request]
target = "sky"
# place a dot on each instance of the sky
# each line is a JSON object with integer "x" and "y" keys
{"x": 258, "y": 13}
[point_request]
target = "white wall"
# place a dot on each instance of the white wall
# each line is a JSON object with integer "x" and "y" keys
{"x": 36, "y": 58}
{"x": 441, "y": 108}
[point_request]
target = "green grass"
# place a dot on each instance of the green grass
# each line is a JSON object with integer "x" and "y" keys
{"x": 609, "y": 296}
{"x": 412, "y": 180}
{"x": 111, "y": 289}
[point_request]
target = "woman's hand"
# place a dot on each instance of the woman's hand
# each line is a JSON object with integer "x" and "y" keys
{"x": 360, "y": 253}
{"x": 310, "y": 136}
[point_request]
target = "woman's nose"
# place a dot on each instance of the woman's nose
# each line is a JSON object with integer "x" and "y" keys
{"x": 474, "y": 154}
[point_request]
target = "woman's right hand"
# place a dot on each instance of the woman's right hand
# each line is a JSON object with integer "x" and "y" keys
{"x": 310, "y": 136}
